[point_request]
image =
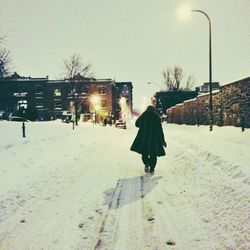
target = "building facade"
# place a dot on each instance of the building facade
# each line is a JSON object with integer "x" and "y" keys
{"x": 44, "y": 99}
{"x": 167, "y": 99}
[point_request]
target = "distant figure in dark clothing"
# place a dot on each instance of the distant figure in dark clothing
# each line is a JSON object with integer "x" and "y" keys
{"x": 110, "y": 121}
{"x": 105, "y": 121}
{"x": 150, "y": 140}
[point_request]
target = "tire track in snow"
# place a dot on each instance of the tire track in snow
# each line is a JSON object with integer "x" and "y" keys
{"x": 114, "y": 203}
{"x": 146, "y": 213}
{"x": 150, "y": 233}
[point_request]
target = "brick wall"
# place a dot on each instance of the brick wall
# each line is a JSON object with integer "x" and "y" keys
{"x": 177, "y": 114}
{"x": 190, "y": 117}
{"x": 231, "y": 106}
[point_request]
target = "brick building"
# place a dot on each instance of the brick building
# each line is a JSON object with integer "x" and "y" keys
{"x": 44, "y": 99}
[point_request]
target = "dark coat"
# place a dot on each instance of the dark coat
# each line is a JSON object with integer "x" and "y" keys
{"x": 150, "y": 138}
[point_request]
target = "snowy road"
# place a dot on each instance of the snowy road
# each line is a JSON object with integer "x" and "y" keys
{"x": 84, "y": 189}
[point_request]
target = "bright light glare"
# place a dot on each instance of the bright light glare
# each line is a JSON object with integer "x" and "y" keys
{"x": 184, "y": 12}
{"x": 122, "y": 101}
{"x": 97, "y": 107}
{"x": 125, "y": 111}
{"x": 95, "y": 99}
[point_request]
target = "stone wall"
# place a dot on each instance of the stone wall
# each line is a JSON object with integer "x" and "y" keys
{"x": 231, "y": 106}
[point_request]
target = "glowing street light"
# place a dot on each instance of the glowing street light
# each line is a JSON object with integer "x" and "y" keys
{"x": 184, "y": 12}
{"x": 95, "y": 103}
{"x": 95, "y": 99}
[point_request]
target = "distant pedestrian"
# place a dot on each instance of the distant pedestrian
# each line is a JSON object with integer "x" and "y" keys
{"x": 150, "y": 139}
{"x": 105, "y": 121}
{"x": 110, "y": 121}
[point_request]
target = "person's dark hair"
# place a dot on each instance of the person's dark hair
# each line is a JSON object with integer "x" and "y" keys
{"x": 150, "y": 108}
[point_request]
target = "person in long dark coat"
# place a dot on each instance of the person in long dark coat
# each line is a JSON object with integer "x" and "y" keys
{"x": 149, "y": 141}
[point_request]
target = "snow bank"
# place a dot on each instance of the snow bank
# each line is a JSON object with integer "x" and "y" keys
{"x": 217, "y": 176}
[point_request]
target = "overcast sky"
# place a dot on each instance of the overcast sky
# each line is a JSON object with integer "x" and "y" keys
{"x": 129, "y": 40}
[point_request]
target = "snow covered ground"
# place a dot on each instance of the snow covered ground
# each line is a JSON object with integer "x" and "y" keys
{"x": 84, "y": 189}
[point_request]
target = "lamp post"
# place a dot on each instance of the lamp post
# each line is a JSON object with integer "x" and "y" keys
{"x": 210, "y": 69}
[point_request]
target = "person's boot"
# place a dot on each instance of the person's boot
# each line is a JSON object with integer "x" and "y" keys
{"x": 146, "y": 168}
{"x": 152, "y": 170}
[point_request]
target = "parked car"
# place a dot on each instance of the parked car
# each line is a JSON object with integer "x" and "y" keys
{"x": 67, "y": 117}
{"x": 18, "y": 119}
{"x": 2, "y": 114}
{"x": 120, "y": 124}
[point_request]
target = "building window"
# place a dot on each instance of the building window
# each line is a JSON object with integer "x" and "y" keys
{"x": 22, "y": 104}
{"x": 85, "y": 90}
{"x": 58, "y": 105}
{"x": 38, "y": 92}
{"x": 125, "y": 90}
{"x": 104, "y": 103}
{"x": 69, "y": 96}
{"x": 39, "y": 104}
{"x": 38, "y": 89}
{"x": 102, "y": 90}
{"x": 57, "y": 92}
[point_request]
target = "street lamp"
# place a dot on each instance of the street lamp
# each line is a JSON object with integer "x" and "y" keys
{"x": 210, "y": 68}
{"x": 155, "y": 84}
{"x": 185, "y": 11}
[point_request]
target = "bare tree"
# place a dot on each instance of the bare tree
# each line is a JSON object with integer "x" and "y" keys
{"x": 178, "y": 76}
{"x": 173, "y": 79}
{"x": 190, "y": 82}
{"x": 75, "y": 70}
{"x": 167, "y": 75}
{"x": 5, "y": 61}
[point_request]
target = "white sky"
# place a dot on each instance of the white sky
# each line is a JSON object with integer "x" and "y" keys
{"x": 128, "y": 40}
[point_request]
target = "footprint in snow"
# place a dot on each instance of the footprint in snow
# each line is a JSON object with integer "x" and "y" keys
{"x": 151, "y": 219}
{"x": 81, "y": 225}
{"x": 205, "y": 220}
{"x": 170, "y": 243}
{"x": 99, "y": 211}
